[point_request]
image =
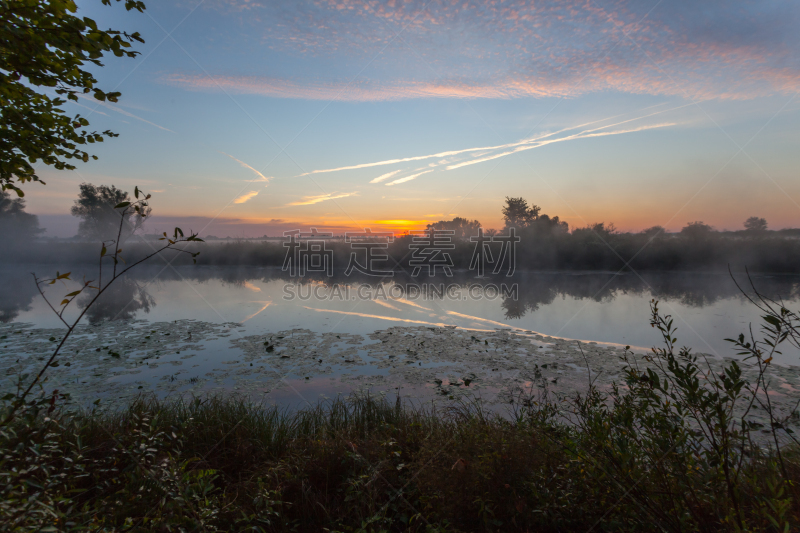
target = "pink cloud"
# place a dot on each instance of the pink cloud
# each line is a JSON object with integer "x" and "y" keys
{"x": 514, "y": 48}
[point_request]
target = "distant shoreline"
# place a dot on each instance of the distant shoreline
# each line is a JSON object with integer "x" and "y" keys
{"x": 771, "y": 253}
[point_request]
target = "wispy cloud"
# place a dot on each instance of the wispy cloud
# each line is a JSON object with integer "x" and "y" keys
{"x": 516, "y": 48}
{"x": 311, "y": 200}
{"x": 115, "y": 108}
{"x": 384, "y": 176}
{"x": 396, "y": 161}
{"x": 261, "y": 177}
{"x": 245, "y": 197}
{"x": 455, "y": 159}
{"x": 93, "y": 110}
{"x": 409, "y": 178}
{"x": 486, "y": 149}
{"x": 368, "y": 91}
{"x": 581, "y": 135}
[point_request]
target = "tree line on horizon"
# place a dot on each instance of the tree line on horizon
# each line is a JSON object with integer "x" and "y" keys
{"x": 98, "y": 220}
{"x": 546, "y": 242}
{"x": 529, "y": 220}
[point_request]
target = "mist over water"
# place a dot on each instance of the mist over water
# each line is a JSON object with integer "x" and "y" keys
{"x": 591, "y": 306}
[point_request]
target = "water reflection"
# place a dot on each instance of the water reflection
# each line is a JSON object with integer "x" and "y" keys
{"x": 689, "y": 290}
{"x": 534, "y": 289}
{"x": 129, "y": 296}
{"x": 121, "y": 301}
{"x": 17, "y": 291}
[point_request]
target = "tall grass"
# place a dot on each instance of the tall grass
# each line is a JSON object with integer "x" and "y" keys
{"x": 365, "y": 464}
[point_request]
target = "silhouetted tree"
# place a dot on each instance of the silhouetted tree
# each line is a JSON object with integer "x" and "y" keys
{"x": 100, "y": 221}
{"x": 598, "y": 229}
{"x": 463, "y": 228}
{"x": 755, "y": 224}
{"x": 697, "y": 230}
{"x": 545, "y": 225}
{"x": 16, "y": 226}
{"x": 518, "y": 214}
{"x": 654, "y": 232}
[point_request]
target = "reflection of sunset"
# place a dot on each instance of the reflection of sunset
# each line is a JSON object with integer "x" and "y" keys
{"x": 252, "y": 287}
{"x": 379, "y": 317}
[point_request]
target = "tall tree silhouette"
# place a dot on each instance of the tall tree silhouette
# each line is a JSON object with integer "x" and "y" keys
{"x": 99, "y": 220}
{"x": 518, "y": 214}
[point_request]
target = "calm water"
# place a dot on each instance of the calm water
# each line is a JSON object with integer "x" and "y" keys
{"x": 595, "y": 306}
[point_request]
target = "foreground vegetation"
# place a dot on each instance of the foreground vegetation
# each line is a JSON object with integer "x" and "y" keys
{"x": 365, "y": 465}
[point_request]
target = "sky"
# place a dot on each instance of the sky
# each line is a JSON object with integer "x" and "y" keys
{"x": 253, "y": 117}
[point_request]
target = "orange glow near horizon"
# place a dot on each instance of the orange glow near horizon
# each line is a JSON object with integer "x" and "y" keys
{"x": 632, "y": 223}
{"x": 395, "y": 226}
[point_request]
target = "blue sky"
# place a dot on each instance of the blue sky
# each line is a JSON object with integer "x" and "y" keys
{"x": 248, "y": 117}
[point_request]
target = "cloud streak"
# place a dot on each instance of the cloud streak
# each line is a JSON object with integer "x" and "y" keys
{"x": 487, "y": 149}
{"x": 384, "y": 176}
{"x": 581, "y": 135}
{"x": 121, "y": 112}
{"x": 409, "y": 178}
{"x": 311, "y": 200}
{"x": 483, "y": 154}
{"x": 245, "y": 197}
{"x": 261, "y": 177}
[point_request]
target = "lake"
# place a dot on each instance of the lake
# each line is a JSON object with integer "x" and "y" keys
{"x": 198, "y": 329}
